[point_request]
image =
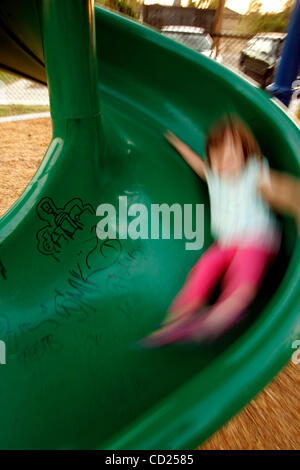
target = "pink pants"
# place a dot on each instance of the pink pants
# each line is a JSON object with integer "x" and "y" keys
{"x": 237, "y": 266}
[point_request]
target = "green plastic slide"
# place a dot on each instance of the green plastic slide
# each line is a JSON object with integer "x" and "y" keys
{"x": 74, "y": 306}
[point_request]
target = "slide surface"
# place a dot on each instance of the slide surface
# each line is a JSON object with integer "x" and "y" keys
{"x": 73, "y": 306}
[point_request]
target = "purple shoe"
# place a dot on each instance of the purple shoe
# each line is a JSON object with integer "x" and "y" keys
{"x": 195, "y": 330}
{"x": 174, "y": 332}
{"x": 203, "y": 332}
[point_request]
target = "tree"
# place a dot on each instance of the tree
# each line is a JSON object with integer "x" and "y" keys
{"x": 288, "y": 6}
{"x": 254, "y": 7}
{"x": 255, "y": 22}
{"x": 128, "y": 7}
{"x": 204, "y": 4}
{"x": 214, "y": 4}
{"x": 207, "y": 4}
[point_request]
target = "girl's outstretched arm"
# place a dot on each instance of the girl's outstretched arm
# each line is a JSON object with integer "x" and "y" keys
{"x": 191, "y": 157}
{"x": 282, "y": 192}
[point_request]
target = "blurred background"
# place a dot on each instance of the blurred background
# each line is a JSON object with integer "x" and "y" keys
{"x": 244, "y": 35}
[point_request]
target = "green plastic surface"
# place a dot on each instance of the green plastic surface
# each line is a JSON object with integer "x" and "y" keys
{"x": 71, "y": 312}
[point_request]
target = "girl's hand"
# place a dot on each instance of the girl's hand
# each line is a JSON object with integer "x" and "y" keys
{"x": 282, "y": 193}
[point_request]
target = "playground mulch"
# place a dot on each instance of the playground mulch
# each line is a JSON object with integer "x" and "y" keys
{"x": 22, "y": 146}
{"x": 272, "y": 419}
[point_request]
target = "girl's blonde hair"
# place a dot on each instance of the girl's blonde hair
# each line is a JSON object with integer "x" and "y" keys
{"x": 239, "y": 131}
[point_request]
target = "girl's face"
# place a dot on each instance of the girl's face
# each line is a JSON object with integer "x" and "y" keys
{"x": 228, "y": 157}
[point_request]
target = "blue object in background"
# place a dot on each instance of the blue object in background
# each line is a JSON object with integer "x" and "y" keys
{"x": 289, "y": 64}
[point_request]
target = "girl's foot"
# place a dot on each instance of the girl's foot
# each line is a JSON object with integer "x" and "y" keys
{"x": 179, "y": 331}
{"x": 175, "y": 314}
{"x": 168, "y": 334}
{"x": 196, "y": 329}
{"x": 212, "y": 325}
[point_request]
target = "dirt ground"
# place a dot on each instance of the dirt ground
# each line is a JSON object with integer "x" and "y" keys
{"x": 272, "y": 419}
{"x": 22, "y": 146}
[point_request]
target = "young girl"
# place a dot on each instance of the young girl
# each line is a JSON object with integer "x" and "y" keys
{"x": 246, "y": 236}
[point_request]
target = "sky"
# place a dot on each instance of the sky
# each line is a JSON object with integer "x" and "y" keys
{"x": 238, "y": 5}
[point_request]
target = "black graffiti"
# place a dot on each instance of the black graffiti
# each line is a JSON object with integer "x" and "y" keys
{"x": 120, "y": 280}
{"x": 68, "y": 301}
{"x": 39, "y": 348}
{"x": 3, "y": 270}
{"x": 4, "y": 326}
{"x": 74, "y": 300}
{"x": 62, "y": 224}
{"x": 109, "y": 251}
